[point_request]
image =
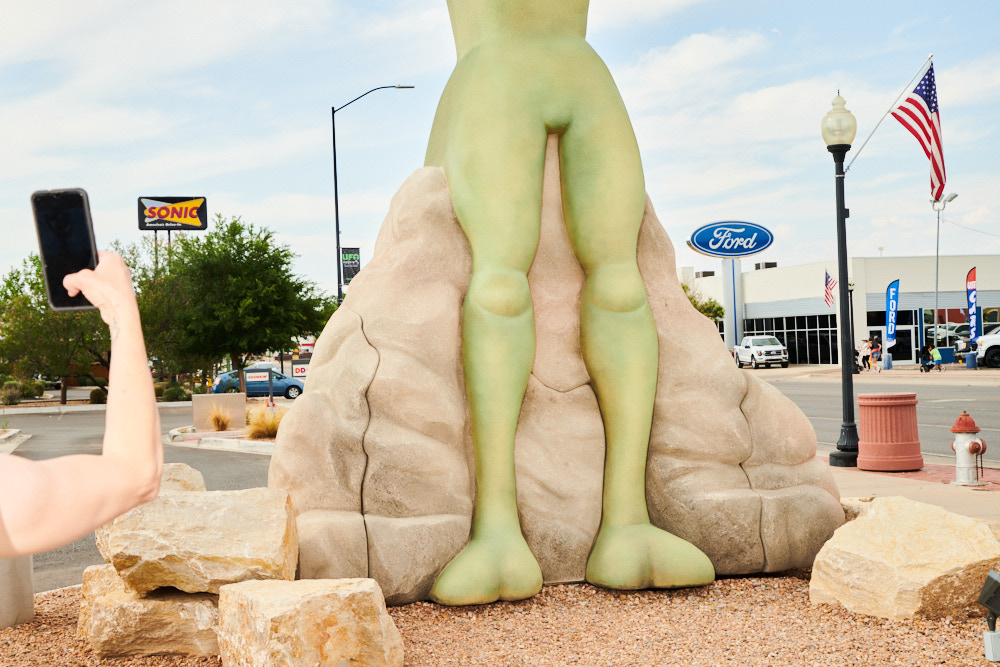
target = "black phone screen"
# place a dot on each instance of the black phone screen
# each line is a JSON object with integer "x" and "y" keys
{"x": 66, "y": 242}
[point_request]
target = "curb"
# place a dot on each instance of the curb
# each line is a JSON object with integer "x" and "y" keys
{"x": 64, "y": 409}
{"x": 9, "y": 434}
{"x": 9, "y": 443}
{"x": 176, "y": 437}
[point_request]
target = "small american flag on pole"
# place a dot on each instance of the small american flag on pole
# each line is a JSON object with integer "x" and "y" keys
{"x": 918, "y": 113}
{"x": 828, "y": 287}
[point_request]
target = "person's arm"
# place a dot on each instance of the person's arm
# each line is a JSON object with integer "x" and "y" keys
{"x": 46, "y": 504}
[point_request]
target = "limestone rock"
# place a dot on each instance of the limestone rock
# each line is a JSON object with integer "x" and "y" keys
{"x": 176, "y": 478}
{"x": 118, "y": 622}
{"x": 181, "y": 478}
{"x": 905, "y": 559}
{"x": 385, "y": 423}
{"x": 98, "y": 581}
{"x": 855, "y": 507}
{"x": 199, "y": 541}
{"x": 309, "y": 622}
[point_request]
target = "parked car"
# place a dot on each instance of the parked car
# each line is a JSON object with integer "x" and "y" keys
{"x": 257, "y": 383}
{"x": 988, "y": 352}
{"x": 760, "y": 351}
{"x": 946, "y": 333}
{"x": 50, "y": 383}
{"x": 963, "y": 344}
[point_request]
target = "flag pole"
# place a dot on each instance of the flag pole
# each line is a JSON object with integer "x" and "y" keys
{"x": 906, "y": 89}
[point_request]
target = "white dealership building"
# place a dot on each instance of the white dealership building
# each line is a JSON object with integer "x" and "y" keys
{"x": 788, "y": 301}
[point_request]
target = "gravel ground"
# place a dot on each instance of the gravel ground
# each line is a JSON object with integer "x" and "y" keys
{"x": 763, "y": 620}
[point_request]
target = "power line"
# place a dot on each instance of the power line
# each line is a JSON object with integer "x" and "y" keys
{"x": 971, "y": 229}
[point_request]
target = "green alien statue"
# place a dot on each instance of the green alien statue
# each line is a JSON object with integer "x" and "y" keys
{"x": 525, "y": 71}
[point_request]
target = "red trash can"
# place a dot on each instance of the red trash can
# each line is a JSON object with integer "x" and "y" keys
{"x": 887, "y": 433}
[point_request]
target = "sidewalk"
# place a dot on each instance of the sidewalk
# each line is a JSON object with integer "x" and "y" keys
{"x": 910, "y": 375}
{"x": 929, "y": 485}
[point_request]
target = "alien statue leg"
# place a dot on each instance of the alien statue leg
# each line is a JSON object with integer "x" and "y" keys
{"x": 604, "y": 199}
{"x": 495, "y": 178}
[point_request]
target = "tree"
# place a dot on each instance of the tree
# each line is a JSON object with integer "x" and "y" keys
{"x": 36, "y": 339}
{"x": 707, "y": 306}
{"x": 161, "y": 302}
{"x": 242, "y": 298}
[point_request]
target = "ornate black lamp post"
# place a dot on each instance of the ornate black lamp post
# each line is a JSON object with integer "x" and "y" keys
{"x": 336, "y": 202}
{"x": 838, "y": 128}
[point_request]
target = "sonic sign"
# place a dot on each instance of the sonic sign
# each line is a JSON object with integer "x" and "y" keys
{"x": 169, "y": 213}
{"x": 730, "y": 239}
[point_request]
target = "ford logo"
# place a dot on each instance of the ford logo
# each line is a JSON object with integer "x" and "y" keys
{"x": 730, "y": 239}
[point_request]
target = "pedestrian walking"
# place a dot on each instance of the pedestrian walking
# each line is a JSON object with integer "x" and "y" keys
{"x": 936, "y": 358}
{"x": 865, "y": 350}
{"x": 876, "y": 355}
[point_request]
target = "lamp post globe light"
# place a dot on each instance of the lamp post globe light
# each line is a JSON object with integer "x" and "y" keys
{"x": 838, "y": 129}
{"x": 938, "y": 205}
{"x": 336, "y": 200}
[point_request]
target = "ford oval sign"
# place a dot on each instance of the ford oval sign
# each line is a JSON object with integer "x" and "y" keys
{"x": 730, "y": 239}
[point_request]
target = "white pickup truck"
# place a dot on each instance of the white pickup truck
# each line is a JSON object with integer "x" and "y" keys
{"x": 988, "y": 350}
{"x": 760, "y": 351}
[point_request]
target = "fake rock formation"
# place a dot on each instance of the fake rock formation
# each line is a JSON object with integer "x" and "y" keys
{"x": 377, "y": 456}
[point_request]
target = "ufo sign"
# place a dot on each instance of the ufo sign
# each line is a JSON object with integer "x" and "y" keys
{"x": 731, "y": 238}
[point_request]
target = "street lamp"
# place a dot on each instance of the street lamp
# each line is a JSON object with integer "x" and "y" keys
{"x": 938, "y": 205}
{"x": 336, "y": 201}
{"x": 838, "y": 129}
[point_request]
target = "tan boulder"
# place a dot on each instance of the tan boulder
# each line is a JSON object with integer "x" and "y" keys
{"x": 855, "y": 507}
{"x": 118, "y": 622}
{"x": 383, "y": 432}
{"x": 905, "y": 559}
{"x": 319, "y": 622}
{"x": 181, "y": 478}
{"x": 98, "y": 581}
{"x": 176, "y": 478}
{"x": 199, "y": 541}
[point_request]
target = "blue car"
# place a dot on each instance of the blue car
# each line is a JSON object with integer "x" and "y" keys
{"x": 229, "y": 383}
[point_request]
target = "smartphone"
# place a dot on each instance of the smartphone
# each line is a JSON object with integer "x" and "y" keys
{"x": 65, "y": 241}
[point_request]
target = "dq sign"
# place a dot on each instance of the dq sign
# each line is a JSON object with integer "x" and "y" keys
{"x": 731, "y": 238}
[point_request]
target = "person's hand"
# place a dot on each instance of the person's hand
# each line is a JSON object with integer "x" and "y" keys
{"x": 108, "y": 287}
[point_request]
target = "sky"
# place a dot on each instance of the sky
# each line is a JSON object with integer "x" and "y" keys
{"x": 231, "y": 101}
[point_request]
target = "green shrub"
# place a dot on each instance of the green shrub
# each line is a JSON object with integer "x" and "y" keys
{"x": 10, "y": 394}
{"x": 199, "y": 389}
{"x": 100, "y": 382}
{"x": 32, "y": 388}
{"x": 98, "y": 396}
{"x": 4, "y": 379}
{"x": 158, "y": 388}
{"x": 173, "y": 394}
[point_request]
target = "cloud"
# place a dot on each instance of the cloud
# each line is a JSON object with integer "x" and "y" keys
{"x": 613, "y": 14}
{"x": 106, "y": 45}
{"x": 968, "y": 84}
{"x": 696, "y": 70}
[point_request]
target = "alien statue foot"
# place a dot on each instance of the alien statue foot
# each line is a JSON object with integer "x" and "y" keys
{"x": 641, "y": 556}
{"x": 493, "y": 566}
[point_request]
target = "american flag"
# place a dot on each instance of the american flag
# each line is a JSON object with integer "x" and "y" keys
{"x": 919, "y": 114}
{"x": 828, "y": 294}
